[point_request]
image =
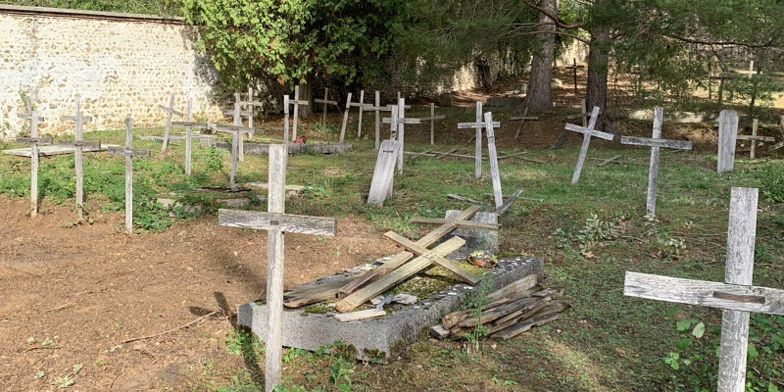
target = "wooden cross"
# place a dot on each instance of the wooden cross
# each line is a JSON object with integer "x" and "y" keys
{"x": 250, "y": 103}
{"x": 78, "y": 144}
{"x": 478, "y": 125}
{"x": 728, "y": 137}
{"x": 129, "y": 153}
{"x": 188, "y": 124}
{"x": 492, "y": 156}
{"x": 750, "y": 72}
{"x": 736, "y": 297}
{"x": 296, "y": 102}
{"x": 276, "y": 222}
{"x": 432, "y": 120}
{"x": 655, "y": 143}
{"x": 587, "y": 132}
{"x": 324, "y": 102}
{"x": 170, "y": 112}
{"x": 754, "y": 138}
{"x": 236, "y": 136}
{"x": 522, "y": 120}
{"x": 400, "y": 122}
{"x": 34, "y": 141}
{"x": 584, "y": 115}
{"x": 381, "y": 185}
{"x": 377, "y": 108}
{"x": 236, "y": 116}
{"x": 574, "y": 68}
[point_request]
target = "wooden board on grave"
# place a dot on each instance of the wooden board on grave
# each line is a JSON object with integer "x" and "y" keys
{"x": 383, "y": 175}
{"x": 47, "y": 151}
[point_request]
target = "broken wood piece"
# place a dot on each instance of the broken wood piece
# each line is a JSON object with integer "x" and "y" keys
{"x": 521, "y": 315}
{"x": 608, "y": 160}
{"x": 360, "y": 315}
{"x": 497, "y": 312}
{"x": 508, "y": 202}
{"x": 420, "y": 250}
{"x": 549, "y": 313}
{"x": 466, "y": 199}
{"x": 512, "y": 155}
{"x": 452, "y": 319}
{"x": 518, "y": 289}
{"x": 446, "y": 153}
{"x": 299, "y": 297}
{"x": 465, "y": 224}
{"x": 398, "y": 275}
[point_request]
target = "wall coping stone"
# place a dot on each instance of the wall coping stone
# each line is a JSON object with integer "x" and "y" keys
{"x": 84, "y": 14}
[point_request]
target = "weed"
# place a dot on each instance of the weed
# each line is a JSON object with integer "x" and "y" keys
{"x": 245, "y": 343}
{"x": 771, "y": 175}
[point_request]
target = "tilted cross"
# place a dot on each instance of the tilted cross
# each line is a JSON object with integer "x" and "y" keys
{"x": 479, "y": 124}
{"x": 236, "y": 136}
{"x": 736, "y": 297}
{"x": 129, "y": 153}
{"x": 170, "y": 112}
{"x": 324, "y": 102}
{"x": 78, "y": 144}
{"x": 754, "y": 138}
{"x": 276, "y": 222}
{"x": 377, "y": 108}
{"x": 522, "y": 120}
{"x": 492, "y": 156}
{"x": 728, "y": 137}
{"x": 296, "y": 102}
{"x": 655, "y": 143}
{"x": 587, "y": 132}
{"x": 345, "y": 119}
{"x": 34, "y": 142}
{"x": 400, "y": 122}
{"x": 381, "y": 185}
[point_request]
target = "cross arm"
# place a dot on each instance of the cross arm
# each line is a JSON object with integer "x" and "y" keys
{"x": 372, "y": 108}
{"x": 477, "y": 125}
{"x": 74, "y": 118}
{"x": 325, "y": 101}
{"x": 284, "y": 222}
{"x": 123, "y": 151}
{"x": 524, "y": 118}
{"x": 649, "y": 142}
{"x": 172, "y": 110}
{"x": 36, "y": 140}
{"x": 406, "y": 121}
{"x": 298, "y": 102}
{"x": 592, "y": 132}
{"x": 439, "y": 117}
{"x": 230, "y": 128}
{"x": 29, "y": 117}
{"x": 190, "y": 124}
{"x": 753, "y": 137}
{"x": 711, "y": 294}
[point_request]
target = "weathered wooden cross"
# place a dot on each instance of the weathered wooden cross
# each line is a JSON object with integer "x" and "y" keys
{"x": 522, "y": 120}
{"x": 79, "y": 121}
{"x": 169, "y": 113}
{"x": 377, "y": 108}
{"x": 728, "y": 137}
{"x": 736, "y": 297}
{"x": 250, "y": 103}
{"x": 345, "y": 119}
{"x": 34, "y": 141}
{"x": 361, "y": 106}
{"x": 129, "y": 153}
{"x": 754, "y": 138}
{"x": 478, "y": 125}
{"x": 492, "y": 156}
{"x": 324, "y": 102}
{"x": 236, "y": 136}
{"x": 236, "y": 120}
{"x": 574, "y": 68}
{"x": 584, "y": 115}
{"x": 655, "y": 143}
{"x": 276, "y": 222}
{"x": 432, "y": 120}
{"x": 400, "y": 122}
{"x": 296, "y": 102}
{"x": 188, "y": 124}
{"x": 587, "y": 132}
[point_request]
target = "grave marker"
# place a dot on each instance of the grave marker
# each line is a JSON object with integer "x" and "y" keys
{"x": 754, "y": 138}
{"x": 250, "y": 103}
{"x": 587, "y": 132}
{"x": 296, "y": 102}
{"x": 377, "y": 108}
{"x": 129, "y": 153}
{"x": 655, "y": 143}
{"x": 736, "y": 297}
{"x": 432, "y": 120}
{"x": 34, "y": 141}
{"x": 345, "y": 118}
{"x": 574, "y": 68}
{"x": 381, "y": 185}
{"x": 361, "y": 106}
{"x": 78, "y": 144}
{"x": 286, "y": 119}
{"x": 493, "y": 158}
{"x": 236, "y": 136}
{"x": 188, "y": 124}
{"x": 169, "y": 113}
{"x": 324, "y": 103}
{"x": 522, "y": 120}
{"x": 400, "y": 122}
{"x": 478, "y": 125}
{"x": 276, "y": 222}
{"x": 728, "y": 134}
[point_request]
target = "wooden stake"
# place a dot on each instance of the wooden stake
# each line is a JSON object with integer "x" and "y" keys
{"x": 493, "y": 157}
{"x": 728, "y": 134}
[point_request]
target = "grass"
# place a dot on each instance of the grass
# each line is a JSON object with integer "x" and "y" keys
{"x": 588, "y": 236}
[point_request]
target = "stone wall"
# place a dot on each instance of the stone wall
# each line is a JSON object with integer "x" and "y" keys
{"x": 120, "y": 64}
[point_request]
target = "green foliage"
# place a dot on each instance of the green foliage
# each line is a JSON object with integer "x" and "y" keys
{"x": 340, "y": 363}
{"x": 771, "y": 175}
{"x": 245, "y": 343}
{"x": 249, "y": 40}
{"x": 696, "y": 359}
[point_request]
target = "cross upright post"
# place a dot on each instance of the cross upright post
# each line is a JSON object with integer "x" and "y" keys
{"x": 169, "y": 113}
{"x": 400, "y": 120}
{"x": 188, "y": 124}
{"x": 587, "y": 132}
{"x": 522, "y": 120}
{"x": 432, "y": 120}
{"x": 377, "y": 108}
{"x": 79, "y": 121}
{"x": 34, "y": 141}
{"x": 129, "y": 153}
{"x": 345, "y": 119}
{"x": 492, "y": 156}
{"x": 574, "y": 68}
{"x": 728, "y": 137}
{"x": 754, "y": 138}
{"x": 324, "y": 102}
{"x": 361, "y": 105}
{"x": 478, "y": 125}
{"x": 236, "y": 136}
{"x": 296, "y": 102}
{"x": 250, "y": 103}
{"x": 736, "y": 297}
{"x": 286, "y": 119}
{"x": 276, "y": 222}
{"x": 655, "y": 143}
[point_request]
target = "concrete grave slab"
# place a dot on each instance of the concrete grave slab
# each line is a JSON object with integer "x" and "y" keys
{"x": 383, "y": 337}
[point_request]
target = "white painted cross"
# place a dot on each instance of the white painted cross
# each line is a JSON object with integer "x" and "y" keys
{"x": 377, "y": 108}
{"x": 188, "y": 124}
{"x": 736, "y": 297}
{"x": 129, "y": 153}
{"x": 236, "y": 136}
{"x": 324, "y": 102}
{"x": 728, "y": 137}
{"x": 276, "y": 222}
{"x": 522, "y": 120}
{"x": 400, "y": 122}
{"x": 478, "y": 125}
{"x": 754, "y": 138}
{"x": 170, "y": 112}
{"x": 432, "y": 120}
{"x": 296, "y": 102}
{"x": 34, "y": 141}
{"x": 492, "y": 156}
{"x": 655, "y": 143}
{"x": 79, "y": 121}
{"x": 587, "y": 132}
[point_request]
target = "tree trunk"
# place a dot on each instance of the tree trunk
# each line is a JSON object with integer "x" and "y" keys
{"x": 539, "y": 98}
{"x": 598, "y": 62}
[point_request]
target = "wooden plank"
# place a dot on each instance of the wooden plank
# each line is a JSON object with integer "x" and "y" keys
{"x": 465, "y": 199}
{"x": 360, "y": 315}
{"x": 513, "y": 331}
{"x": 586, "y": 142}
{"x": 276, "y": 202}
{"x": 384, "y": 173}
{"x": 404, "y": 272}
{"x": 512, "y": 155}
{"x": 508, "y": 202}
{"x": 129, "y": 177}
{"x": 612, "y": 159}
{"x": 288, "y": 223}
{"x": 318, "y": 292}
{"x": 492, "y": 155}
{"x": 591, "y": 132}
{"x": 361, "y": 107}
{"x": 728, "y": 133}
{"x": 653, "y": 169}
{"x": 169, "y": 113}
{"x": 658, "y": 143}
{"x": 446, "y": 153}
{"x": 439, "y": 331}
{"x": 345, "y": 119}
{"x": 87, "y": 145}
{"x": 520, "y": 288}
{"x": 189, "y": 138}
{"x": 465, "y": 224}
{"x": 35, "y": 139}
{"x": 419, "y": 250}
{"x": 497, "y": 312}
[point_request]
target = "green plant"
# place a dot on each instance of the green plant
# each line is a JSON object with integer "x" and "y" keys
{"x": 245, "y": 343}
{"x": 771, "y": 175}
{"x": 67, "y": 380}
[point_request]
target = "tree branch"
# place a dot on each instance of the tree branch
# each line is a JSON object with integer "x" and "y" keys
{"x": 554, "y": 18}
